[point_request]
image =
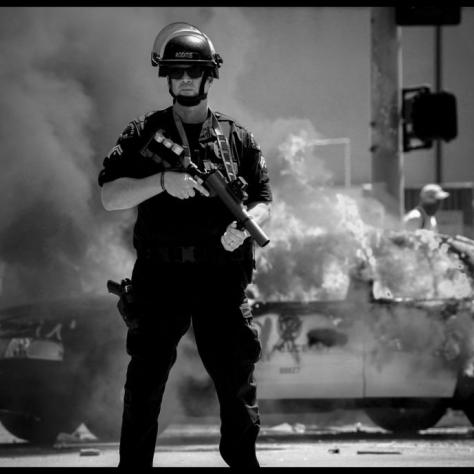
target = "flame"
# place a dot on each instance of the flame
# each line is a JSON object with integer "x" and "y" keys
{"x": 322, "y": 237}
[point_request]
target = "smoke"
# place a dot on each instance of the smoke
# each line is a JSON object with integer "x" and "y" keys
{"x": 432, "y": 334}
{"x": 67, "y": 99}
{"x": 71, "y": 79}
{"x": 51, "y": 122}
{"x": 322, "y": 237}
{"x": 421, "y": 266}
{"x": 317, "y": 229}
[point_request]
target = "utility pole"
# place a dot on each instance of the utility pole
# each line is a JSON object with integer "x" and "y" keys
{"x": 438, "y": 85}
{"x": 385, "y": 87}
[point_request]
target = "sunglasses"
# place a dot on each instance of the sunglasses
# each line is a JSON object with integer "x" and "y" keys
{"x": 193, "y": 72}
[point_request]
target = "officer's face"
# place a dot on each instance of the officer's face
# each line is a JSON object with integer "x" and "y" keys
{"x": 186, "y": 80}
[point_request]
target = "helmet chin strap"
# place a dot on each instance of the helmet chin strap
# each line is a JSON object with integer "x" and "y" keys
{"x": 187, "y": 101}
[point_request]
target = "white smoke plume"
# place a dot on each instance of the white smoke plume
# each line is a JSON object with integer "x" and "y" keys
{"x": 71, "y": 79}
{"x": 68, "y": 98}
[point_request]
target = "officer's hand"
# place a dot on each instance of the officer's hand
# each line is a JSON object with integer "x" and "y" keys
{"x": 182, "y": 185}
{"x": 233, "y": 237}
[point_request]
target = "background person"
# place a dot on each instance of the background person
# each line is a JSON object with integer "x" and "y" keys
{"x": 423, "y": 216}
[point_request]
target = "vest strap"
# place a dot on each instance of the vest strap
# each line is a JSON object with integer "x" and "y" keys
{"x": 222, "y": 144}
{"x": 184, "y": 140}
{"x": 224, "y": 150}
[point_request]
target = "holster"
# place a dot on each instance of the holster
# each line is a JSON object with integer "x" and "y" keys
{"x": 127, "y": 304}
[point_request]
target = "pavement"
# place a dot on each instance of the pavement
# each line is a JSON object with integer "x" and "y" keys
{"x": 335, "y": 439}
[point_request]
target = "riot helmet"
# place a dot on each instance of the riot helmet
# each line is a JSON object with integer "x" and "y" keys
{"x": 181, "y": 44}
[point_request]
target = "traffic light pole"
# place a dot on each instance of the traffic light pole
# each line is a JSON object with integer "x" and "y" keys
{"x": 385, "y": 94}
{"x": 438, "y": 85}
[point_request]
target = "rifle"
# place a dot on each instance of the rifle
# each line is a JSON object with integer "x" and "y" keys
{"x": 231, "y": 194}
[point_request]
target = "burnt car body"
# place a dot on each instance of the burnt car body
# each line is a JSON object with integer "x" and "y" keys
{"x": 404, "y": 360}
{"x": 399, "y": 345}
{"x": 325, "y": 355}
{"x": 52, "y": 355}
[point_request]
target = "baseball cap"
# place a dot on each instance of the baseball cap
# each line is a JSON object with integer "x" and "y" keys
{"x": 432, "y": 192}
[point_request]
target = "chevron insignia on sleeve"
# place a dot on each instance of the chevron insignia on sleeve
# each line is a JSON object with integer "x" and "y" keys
{"x": 117, "y": 149}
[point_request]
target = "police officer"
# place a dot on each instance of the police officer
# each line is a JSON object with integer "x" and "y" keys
{"x": 423, "y": 216}
{"x": 193, "y": 262}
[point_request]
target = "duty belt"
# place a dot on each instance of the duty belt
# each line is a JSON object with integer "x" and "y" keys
{"x": 192, "y": 254}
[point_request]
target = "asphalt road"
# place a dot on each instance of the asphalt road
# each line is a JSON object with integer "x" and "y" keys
{"x": 317, "y": 440}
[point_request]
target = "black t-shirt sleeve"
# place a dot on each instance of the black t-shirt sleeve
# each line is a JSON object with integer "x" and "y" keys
{"x": 124, "y": 159}
{"x": 255, "y": 171}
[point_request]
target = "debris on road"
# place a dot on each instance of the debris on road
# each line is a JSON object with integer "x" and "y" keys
{"x": 299, "y": 428}
{"x": 89, "y": 452}
{"x": 334, "y": 451}
{"x": 379, "y": 452}
{"x": 282, "y": 427}
{"x": 287, "y": 428}
{"x": 80, "y": 434}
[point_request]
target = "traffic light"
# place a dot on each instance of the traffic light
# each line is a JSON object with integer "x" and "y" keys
{"x": 427, "y": 116}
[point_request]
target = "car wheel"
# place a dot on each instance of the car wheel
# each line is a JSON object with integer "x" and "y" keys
{"x": 38, "y": 429}
{"x": 469, "y": 411}
{"x": 467, "y": 402}
{"x": 464, "y": 394}
{"x": 409, "y": 419}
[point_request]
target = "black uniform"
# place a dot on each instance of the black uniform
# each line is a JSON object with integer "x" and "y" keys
{"x": 182, "y": 272}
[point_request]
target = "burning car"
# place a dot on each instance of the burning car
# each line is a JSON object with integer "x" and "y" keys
{"x": 375, "y": 338}
{"x": 399, "y": 345}
{"x": 325, "y": 355}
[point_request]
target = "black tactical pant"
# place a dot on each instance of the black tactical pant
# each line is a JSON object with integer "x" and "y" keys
{"x": 169, "y": 296}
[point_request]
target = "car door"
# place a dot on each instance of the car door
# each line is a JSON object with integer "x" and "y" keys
{"x": 309, "y": 350}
